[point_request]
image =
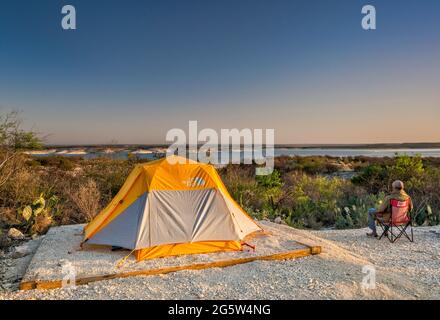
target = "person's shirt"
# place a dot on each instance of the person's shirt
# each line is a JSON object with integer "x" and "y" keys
{"x": 401, "y": 195}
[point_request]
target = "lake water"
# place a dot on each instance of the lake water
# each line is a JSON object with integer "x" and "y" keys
{"x": 282, "y": 151}
{"x": 357, "y": 152}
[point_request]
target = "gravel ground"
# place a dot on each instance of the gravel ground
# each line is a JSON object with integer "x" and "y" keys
{"x": 403, "y": 271}
{"x": 61, "y": 245}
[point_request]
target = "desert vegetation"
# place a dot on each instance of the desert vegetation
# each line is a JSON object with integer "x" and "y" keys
{"x": 314, "y": 192}
{"x": 304, "y": 192}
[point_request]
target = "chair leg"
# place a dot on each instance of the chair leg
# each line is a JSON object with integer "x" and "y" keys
{"x": 403, "y": 232}
{"x": 388, "y": 231}
{"x": 382, "y": 228}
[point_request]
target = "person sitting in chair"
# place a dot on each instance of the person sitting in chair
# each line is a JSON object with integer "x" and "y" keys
{"x": 384, "y": 211}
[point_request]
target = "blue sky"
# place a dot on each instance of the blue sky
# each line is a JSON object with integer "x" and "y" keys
{"x": 135, "y": 69}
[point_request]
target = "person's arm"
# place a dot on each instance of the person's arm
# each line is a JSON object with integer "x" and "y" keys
{"x": 411, "y": 206}
{"x": 384, "y": 205}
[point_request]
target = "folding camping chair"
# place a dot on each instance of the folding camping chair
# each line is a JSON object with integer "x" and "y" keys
{"x": 400, "y": 220}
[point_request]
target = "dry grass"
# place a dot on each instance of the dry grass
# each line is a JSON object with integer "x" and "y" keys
{"x": 86, "y": 199}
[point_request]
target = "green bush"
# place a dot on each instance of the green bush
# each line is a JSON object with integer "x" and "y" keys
{"x": 408, "y": 169}
{"x": 344, "y": 221}
{"x": 310, "y": 165}
{"x": 372, "y": 177}
{"x": 378, "y": 177}
{"x": 270, "y": 181}
{"x": 316, "y": 197}
{"x": 60, "y": 162}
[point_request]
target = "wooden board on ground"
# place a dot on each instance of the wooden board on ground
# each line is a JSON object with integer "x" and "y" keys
{"x": 58, "y": 258}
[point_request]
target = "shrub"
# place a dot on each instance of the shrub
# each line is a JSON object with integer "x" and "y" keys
{"x": 311, "y": 165}
{"x": 86, "y": 199}
{"x": 372, "y": 177}
{"x": 13, "y": 140}
{"x": 378, "y": 177}
{"x": 270, "y": 181}
{"x": 344, "y": 221}
{"x": 408, "y": 169}
{"x": 60, "y": 162}
{"x": 108, "y": 174}
{"x": 313, "y": 200}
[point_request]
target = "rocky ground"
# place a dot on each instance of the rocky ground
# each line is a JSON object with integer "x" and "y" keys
{"x": 15, "y": 255}
{"x": 402, "y": 270}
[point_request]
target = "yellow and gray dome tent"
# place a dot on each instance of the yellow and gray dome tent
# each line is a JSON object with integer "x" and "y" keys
{"x": 171, "y": 206}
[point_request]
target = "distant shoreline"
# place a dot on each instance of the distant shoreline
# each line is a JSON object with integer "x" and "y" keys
{"x": 245, "y": 152}
{"x": 417, "y": 145}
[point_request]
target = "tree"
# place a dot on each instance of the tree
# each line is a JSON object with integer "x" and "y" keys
{"x": 13, "y": 141}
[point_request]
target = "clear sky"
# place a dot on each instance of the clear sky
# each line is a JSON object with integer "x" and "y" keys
{"x": 135, "y": 69}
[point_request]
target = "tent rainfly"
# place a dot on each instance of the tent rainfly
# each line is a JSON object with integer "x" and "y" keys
{"x": 171, "y": 206}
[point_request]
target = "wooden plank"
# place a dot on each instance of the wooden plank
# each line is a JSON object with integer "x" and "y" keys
{"x": 44, "y": 285}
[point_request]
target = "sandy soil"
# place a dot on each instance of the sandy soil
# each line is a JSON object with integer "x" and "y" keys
{"x": 402, "y": 271}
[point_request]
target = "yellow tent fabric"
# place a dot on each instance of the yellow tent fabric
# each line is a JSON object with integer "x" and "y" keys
{"x": 172, "y": 206}
{"x": 187, "y": 248}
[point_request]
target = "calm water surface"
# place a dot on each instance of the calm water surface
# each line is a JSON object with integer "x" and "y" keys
{"x": 284, "y": 151}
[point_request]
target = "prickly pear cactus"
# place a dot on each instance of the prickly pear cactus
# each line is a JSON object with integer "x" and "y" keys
{"x": 38, "y": 215}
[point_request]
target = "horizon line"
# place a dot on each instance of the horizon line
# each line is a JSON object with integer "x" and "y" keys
{"x": 277, "y": 145}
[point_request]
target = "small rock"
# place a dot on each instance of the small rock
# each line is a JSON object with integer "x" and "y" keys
{"x": 21, "y": 251}
{"x": 278, "y": 220}
{"x": 15, "y": 234}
